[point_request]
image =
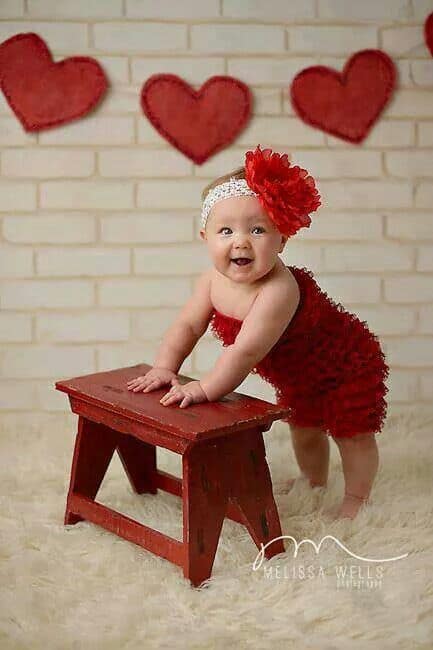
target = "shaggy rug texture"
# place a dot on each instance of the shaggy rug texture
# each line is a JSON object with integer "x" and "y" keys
{"x": 80, "y": 587}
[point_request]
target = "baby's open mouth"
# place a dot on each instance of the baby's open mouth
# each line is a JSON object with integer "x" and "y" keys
{"x": 241, "y": 261}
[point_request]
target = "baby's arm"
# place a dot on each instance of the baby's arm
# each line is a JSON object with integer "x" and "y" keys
{"x": 190, "y": 324}
{"x": 267, "y": 319}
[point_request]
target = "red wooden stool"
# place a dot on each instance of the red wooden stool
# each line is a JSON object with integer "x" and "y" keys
{"x": 224, "y": 466}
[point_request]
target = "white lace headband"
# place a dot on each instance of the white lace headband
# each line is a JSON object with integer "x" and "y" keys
{"x": 232, "y": 187}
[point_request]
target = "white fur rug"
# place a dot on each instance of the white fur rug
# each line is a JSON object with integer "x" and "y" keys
{"x": 81, "y": 587}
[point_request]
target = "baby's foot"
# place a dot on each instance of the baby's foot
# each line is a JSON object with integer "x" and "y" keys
{"x": 348, "y": 509}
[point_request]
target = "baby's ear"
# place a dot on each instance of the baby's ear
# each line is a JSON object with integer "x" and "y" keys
{"x": 203, "y": 234}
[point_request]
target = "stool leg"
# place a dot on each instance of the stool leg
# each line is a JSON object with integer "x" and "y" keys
{"x": 205, "y": 498}
{"x": 139, "y": 461}
{"x": 94, "y": 447}
{"x": 253, "y": 493}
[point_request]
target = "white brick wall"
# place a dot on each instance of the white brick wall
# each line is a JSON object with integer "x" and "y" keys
{"x": 99, "y": 219}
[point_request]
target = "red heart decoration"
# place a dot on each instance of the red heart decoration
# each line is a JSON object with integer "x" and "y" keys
{"x": 347, "y": 104}
{"x": 197, "y": 123}
{"x": 43, "y": 93}
{"x": 428, "y": 32}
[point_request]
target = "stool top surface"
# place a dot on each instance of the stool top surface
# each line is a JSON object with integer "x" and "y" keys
{"x": 235, "y": 411}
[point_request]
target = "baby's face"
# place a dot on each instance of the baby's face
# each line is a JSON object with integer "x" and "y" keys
{"x": 239, "y": 227}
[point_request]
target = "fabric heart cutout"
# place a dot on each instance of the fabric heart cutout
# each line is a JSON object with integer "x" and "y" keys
{"x": 345, "y": 104}
{"x": 198, "y": 123}
{"x": 42, "y": 93}
{"x": 428, "y": 32}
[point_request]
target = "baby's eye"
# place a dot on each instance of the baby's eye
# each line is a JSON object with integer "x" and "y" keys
{"x": 225, "y": 228}
{"x": 259, "y": 228}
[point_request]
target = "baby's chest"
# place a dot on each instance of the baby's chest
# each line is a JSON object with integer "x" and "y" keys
{"x": 231, "y": 303}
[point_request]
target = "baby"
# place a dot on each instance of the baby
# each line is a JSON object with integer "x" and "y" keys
{"x": 274, "y": 320}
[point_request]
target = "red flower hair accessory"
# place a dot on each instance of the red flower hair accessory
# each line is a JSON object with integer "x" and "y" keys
{"x": 286, "y": 192}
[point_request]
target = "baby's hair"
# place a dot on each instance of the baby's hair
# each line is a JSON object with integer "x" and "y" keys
{"x": 239, "y": 172}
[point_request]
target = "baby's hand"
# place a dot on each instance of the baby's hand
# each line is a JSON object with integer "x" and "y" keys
{"x": 191, "y": 393}
{"x": 152, "y": 380}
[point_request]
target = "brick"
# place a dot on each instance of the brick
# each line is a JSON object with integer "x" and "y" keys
{"x": 116, "y": 356}
{"x": 61, "y": 37}
{"x": 273, "y": 71}
{"x": 281, "y": 132}
{"x": 411, "y": 104}
{"x": 151, "y": 324}
{"x": 158, "y": 228}
{"x": 92, "y": 130}
{"x": 144, "y": 292}
{"x": 53, "y": 361}
{"x": 409, "y": 163}
{"x": 172, "y": 11}
{"x": 267, "y": 101}
{"x": 368, "y": 10}
{"x": 86, "y": 9}
{"x": 409, "y": 289}
{"x": 221, "y": 163}
{"x": 402, "y": 385}
{"x": 327, "y": 39}
{"x": 74, "y": 261}
{"x": 143, "y": 162}
{"x": 341, "y": 164}
{"x": 94, "y": 326}
{"x": 426, "y": 385}
{"x": 15, "y": 328}
{"x": 163, "y": 260}
{"x": 122, "y": 100}
{"x": 180, "y": 194}
{"x": 401, "y": 40}
{"x": 46, "y": 294}
{"x": 301, "y": 254}
{"x": 421, "y": 8}
{"x": 409, "y": 225}
{"x": 50, "y": 229}
{"x": 347, "y": 288}
{"x": 148, "y": 135}
{"x": 49, "y": 399}
{"x": 41, "y": 163}
{"x": 424, "y": 195}
{"x": 410, "y": 352}
{"x": 101, "y": 195}
{"x": 237, "y": 38}
{"x": 15, "y": 262}
{"x": 425, "y": 319}
{"x": 192, "y": 70}
{"x": 12, "y": 8}
{"x": 388, "y": 320}
{"x": 273, "y": 10}
{"x": 366, "y": 194}
{"x": 17, "y": 196}
{"x": 425, "y": 134}
{"x": 346, "y": 226}
{"x": 370, "y": 257}
{"x": 425, "y": 258}
{"x": 422, "y": 73}
{"x": 139, "y": 37}
{"x": 384, "y": 134}
{"x": 18, "y": 395}
{"x": 116, "y": 68}
{"x": 12, "y": 133}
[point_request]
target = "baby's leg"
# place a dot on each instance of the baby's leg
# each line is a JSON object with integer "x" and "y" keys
{"x": 311, "y": 447}
{"x": 360, "y": 459}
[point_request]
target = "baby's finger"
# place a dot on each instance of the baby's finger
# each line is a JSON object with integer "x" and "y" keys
{"x": 186, "y": 400}
{"x": 152, "y": 386}
{"x": 132, "y": 381}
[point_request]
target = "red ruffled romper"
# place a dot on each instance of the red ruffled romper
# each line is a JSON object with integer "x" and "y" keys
{"x": 327, "y": 367}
